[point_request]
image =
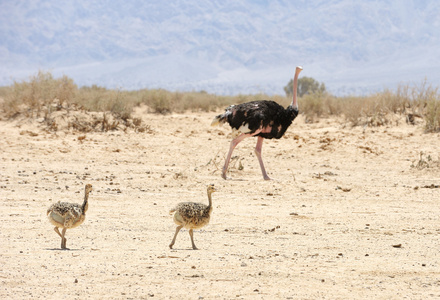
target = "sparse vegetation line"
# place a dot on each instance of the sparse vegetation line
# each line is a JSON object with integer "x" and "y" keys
{"x": 43, "y": 95}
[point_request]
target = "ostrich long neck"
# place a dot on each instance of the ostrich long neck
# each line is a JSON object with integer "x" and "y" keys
{"x": 85, "y": 204}
{"x": 209, "y": 199}
{"x": 295, "y": 87}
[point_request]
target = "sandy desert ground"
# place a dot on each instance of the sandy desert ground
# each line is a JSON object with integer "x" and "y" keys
{"x": 347, "y": 216}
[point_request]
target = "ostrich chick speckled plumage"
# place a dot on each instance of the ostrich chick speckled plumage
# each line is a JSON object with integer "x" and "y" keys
{"x": 192, "y": 215}
{"x": 264, "y": 119}
{"x": 67, "y": 215}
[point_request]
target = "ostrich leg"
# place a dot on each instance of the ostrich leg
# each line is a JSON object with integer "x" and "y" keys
{"x": 260, "y": 160}
{"x": 61, "y": 236}
{"x": 175, "y": 235}
{"x": 192, "y": 240}
{"x": 64, "y": 240}
{"x": 234, "y": 143}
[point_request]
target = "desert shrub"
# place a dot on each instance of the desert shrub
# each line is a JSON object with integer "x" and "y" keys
{"x": 334, "y": 105}
{"x": 35, "y": 97}
{"x": 100, "y": 99}
{"x": 159, "y": 100}
{"x": 420, "y": 100}
{"x": 432, "y": 116}
{"x": 197, "y": 101}
{"x": 427, "y": 100}
{"x": 91, "y": 97}
{"x": 392, "y": 102}
{"x": 365, "y": 111}
{"x": 352, "y": 109}
{"x": 317, "y": 105}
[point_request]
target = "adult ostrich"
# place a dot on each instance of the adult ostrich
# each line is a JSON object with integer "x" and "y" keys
{"x": 265, "y": 119}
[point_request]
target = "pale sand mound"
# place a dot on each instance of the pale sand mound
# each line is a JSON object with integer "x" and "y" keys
{"x": 347, "y": 216}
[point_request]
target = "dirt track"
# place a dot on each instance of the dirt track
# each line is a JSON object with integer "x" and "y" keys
{"x": 329, "y": 226}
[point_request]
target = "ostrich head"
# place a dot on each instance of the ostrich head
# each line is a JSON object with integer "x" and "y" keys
{"x": 211, "y": 189}
{"x": 88, "y": 188}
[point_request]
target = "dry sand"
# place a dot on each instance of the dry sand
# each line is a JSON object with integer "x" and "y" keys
{"x": 328, "y": 226}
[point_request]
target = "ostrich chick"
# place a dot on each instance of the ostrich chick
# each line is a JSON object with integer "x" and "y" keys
{"x": 192, "y": 215}
{"x": 67, "y": 215}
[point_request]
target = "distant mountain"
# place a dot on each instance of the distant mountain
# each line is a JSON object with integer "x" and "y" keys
{"x": 225, "y": 47}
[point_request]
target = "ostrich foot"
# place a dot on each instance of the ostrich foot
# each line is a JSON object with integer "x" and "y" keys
{"x": 63, "y": 244}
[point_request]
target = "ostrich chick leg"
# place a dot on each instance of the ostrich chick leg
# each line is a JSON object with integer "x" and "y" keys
{"x": 63, "y": 239}
{"x": 58, "y": 232}
{"x": 260, "y": 160}
{"x": 175, "y": 235}
{"x": 192, "y": 240}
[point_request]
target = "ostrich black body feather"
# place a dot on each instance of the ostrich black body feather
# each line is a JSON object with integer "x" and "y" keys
{"x": 263, "y": 114}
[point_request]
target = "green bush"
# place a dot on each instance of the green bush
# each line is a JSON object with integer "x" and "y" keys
{"x": 306, "y": 86}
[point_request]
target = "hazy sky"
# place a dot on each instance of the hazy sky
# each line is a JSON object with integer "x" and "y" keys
{"x": 222, "y": 46}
